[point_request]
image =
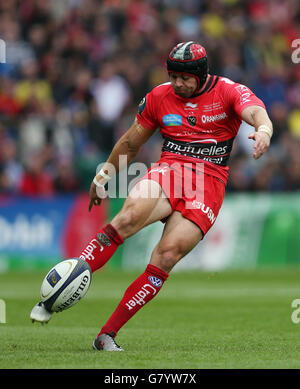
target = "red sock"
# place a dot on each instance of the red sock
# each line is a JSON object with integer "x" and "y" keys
{"x": 102, "y": 247}
{"x": 139, "y": 293}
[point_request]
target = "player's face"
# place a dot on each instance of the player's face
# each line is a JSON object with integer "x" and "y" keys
{"x": 183, "y": 84}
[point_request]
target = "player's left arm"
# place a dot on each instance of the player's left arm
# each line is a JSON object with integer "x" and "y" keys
{"x": 258, "y": 117}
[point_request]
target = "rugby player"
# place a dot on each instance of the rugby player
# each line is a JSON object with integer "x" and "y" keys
{"x": 199, "y": 115}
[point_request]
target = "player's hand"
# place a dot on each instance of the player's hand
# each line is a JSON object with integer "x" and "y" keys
{"x": 97, "y": 193}
{"x": 261, "y": 143}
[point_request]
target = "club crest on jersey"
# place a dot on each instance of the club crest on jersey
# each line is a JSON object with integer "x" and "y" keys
{"x": 155, "y": 281}
{"x": 172, "y": 120}
{"x": 192, "y": 120}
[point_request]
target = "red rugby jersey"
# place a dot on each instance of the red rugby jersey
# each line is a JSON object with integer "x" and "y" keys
{"x": 201, "y": 128}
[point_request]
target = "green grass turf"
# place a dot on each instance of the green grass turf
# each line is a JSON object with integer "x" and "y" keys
{"x": 229, "y": 320}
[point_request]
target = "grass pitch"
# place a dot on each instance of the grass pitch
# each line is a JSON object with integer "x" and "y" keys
{"x": 228, "y": 320}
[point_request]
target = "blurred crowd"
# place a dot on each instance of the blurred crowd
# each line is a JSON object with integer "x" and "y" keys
{"x": 77, "y": 69}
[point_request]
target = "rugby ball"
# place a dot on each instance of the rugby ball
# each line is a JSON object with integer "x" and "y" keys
{"x": 65, "y": 284}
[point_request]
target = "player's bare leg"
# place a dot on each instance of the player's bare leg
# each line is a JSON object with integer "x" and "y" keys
{"x": 146, "y": 204}
{"x": 174, "y": 244}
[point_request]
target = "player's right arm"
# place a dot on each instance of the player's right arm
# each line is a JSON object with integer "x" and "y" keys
{"x": 127, "y": 146}
{"x": 252, "y": 110}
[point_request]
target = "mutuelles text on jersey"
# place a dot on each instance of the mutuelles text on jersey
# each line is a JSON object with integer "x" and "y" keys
{"x": 201, "y": 128}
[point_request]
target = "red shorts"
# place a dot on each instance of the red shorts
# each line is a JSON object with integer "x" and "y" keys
{"x": 196, "y": 195}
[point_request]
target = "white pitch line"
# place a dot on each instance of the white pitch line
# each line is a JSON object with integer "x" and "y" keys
{"x": 173, "y": 293}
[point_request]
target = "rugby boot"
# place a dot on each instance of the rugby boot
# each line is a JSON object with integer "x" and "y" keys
{"x": 39, "y": 313}
{"x": 106, "y": 342}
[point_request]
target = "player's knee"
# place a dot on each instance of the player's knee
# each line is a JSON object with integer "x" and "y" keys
{"x": 168, "y": 255}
